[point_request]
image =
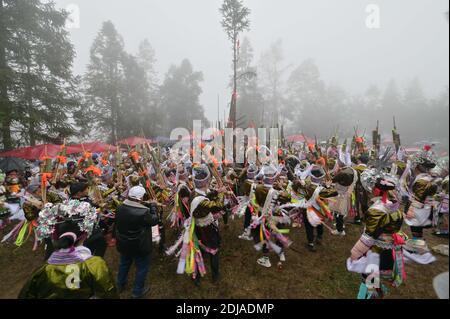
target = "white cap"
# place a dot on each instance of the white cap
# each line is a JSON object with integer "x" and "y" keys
{"x": 35, "y": 170}
{"x": 137, "y": 192}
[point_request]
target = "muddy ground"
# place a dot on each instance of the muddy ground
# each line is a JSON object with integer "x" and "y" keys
{"x": 305, "y": 275}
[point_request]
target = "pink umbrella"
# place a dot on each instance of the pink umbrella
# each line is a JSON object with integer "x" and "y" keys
{"x": 94, "y": 147}
{"x": 412, "y": 150}
{"x": 34, "y": 152}
{"x": 298, "y": 139}
{"x": 133, "y": 141}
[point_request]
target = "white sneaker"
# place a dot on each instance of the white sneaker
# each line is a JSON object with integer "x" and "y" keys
{"x": 282, "y": 257}
{"x": 338, "y": 233}
{"x": 258, "y": 246}
{"x": 264, "y": 261}
{"x": 246, "y": 236}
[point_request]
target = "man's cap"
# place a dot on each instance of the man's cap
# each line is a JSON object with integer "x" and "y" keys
{"x": 136, "y": 192}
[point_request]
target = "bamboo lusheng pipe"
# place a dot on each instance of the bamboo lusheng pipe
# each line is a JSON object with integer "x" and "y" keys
{"x": 317, "y": 147}
{"x": 157, "y": 164}
{"x": 134, "y": 156}
{"x": 396, "y": 137}
{"x": 60, "y": 159}
{"x": 376, "y": 139}
{"x": 117, "y": 162}
{"x": 46, "y": 173}
{"x": 90, "y": 174}
{"x": 313, "y": 152}
{"x": 213, "y": 164}
{"x": 353, "y": 143}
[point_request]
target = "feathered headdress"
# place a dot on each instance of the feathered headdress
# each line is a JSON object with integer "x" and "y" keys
{"x": 371, "y": 177}
{"x": 424, "y": 157}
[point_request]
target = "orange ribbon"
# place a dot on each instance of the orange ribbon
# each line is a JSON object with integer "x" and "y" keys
{"x": 44, "y": 179}
{"x": 61, "y": 159}
{"x": 135, "y": 156}
{"x": 95, "y": 170}
{"x": 324, "y": 208}
{"x": 143, "y": 173}
{"x": 321, "y": 162}
{"x": 87, "y": 155}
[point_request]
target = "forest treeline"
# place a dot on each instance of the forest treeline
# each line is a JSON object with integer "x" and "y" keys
{"x": 121, "y": 94}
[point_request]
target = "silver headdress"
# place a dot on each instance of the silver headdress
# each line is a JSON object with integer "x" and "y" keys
{"x": 268, "y": 173}
{"x": 316, "y": 173}
{"x": 424, "y": 157}
{"x": 81, "y": 212}
{"x": 303, "y": 170}
{"x": 252, "y": 171}
{"x": 370, "y": 177}
{"x": 202, "y": 176}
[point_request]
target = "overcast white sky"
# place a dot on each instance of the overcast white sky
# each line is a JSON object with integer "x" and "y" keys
{"x": 412, "y": 40}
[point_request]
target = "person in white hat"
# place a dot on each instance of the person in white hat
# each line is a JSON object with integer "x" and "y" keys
{"x": 134, "y": 223}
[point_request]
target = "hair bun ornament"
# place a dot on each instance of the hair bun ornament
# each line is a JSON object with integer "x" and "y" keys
{"x": 69, "y": 234}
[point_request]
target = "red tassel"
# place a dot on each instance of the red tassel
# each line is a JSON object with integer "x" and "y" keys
{"x": 385, "y": 197}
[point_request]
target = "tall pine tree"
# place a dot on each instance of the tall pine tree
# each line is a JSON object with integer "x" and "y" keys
{"x": 152, "y": 115}
{"x": 234, "y": 21}
{"x": 104, "y": 82}
{"x": 38, "y": 90}
{"x": 180, "y": 97}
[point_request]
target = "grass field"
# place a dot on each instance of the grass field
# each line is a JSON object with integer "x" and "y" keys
{"x": 305, "y": 275}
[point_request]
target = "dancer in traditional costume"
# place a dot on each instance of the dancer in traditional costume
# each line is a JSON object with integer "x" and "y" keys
{"x": 378, "y": 253}
{"x": 268, "y": 224}
{"x": 361, "y": 196}
{"x": 315, "y": 191}
{"x": 418, "y": 190}
{"x": 206, "y": 207}
{"x": 441, "y": 216}
{"x": 248, "y": 178}
{"x": 71, "y": 271}
{"x": 201, "y": 235}
{"x": 180, "y": 212}
{"x": 344, "y": 182}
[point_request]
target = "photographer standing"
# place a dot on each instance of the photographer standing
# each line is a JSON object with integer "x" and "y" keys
{"x": 134, "y": 223}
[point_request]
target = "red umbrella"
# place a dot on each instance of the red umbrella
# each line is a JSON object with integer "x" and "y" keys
{"x": 412, "y": 150}
{"x": 94, "y": 147}
{"x": 34, "y": 152}
{"x": 133, "y": 141}
{"x": 298, "y": 139}
{"x": 192, "y": 137}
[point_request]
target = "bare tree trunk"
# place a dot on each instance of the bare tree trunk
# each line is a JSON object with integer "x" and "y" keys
{"x": 233, "y": 106}
{"x": 5, "y": 108}
{"x": 29, "y": 97}
{"x": 113, "y": 121}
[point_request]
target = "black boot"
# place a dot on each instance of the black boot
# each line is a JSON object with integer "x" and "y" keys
{"x": 311, "y": 247}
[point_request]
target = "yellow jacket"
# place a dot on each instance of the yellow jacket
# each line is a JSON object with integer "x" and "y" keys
{"x": 88, "y": 279}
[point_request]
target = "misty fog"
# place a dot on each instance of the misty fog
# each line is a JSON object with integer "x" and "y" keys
{"x": 357, "y": 73}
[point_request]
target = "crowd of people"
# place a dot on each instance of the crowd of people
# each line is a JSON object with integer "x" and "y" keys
{"x": 77, "y": 208}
